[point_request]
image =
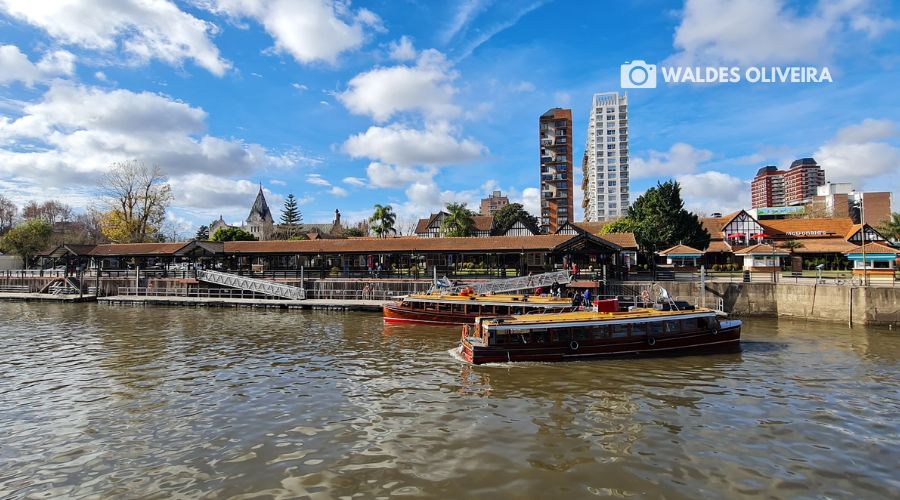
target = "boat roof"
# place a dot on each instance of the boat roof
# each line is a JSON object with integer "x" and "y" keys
{"x": 498, "y": 299}
{"x": 579, "y": 318}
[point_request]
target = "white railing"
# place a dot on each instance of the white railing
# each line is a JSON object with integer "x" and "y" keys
{"x": 264, "y": 287}
{"x": 513, "y": 284}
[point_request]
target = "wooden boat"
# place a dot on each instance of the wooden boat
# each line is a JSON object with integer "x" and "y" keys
{"x": 584, "y": 335}
{"x": 441, "y": 309}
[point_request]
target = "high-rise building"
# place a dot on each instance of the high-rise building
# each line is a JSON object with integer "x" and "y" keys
{"x": 555, "y": 132}
{"x": 767, "y": 188}
{"x": 495, "y": 201}
{"x": 605, "y": 162}
{"x": 795, "y": 186}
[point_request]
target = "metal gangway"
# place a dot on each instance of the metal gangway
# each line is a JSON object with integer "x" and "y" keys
{"x": 264, "y": 287}
{"x": 543, "y": 280}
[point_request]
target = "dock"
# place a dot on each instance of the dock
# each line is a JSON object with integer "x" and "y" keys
{"x": 318, "y": 304}
{"x": 45, "y": 297}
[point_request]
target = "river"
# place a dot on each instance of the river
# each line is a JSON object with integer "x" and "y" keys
{"x": 153, "y": 403}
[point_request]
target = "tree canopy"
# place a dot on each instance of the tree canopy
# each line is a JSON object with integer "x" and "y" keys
{"x": 659, "y": 220}
{"x": 291, "y": 218}
{"x": 458, "y": 222}
{"x": 203, "y": 233}
{"x": 232, "y": 234}
{"x": 137, "y": 197}
{"x": 507, "y": 216}
{"x": 891, "y": 228}
{"x": 383, "y": 220}
{"x": 27, "y": 239}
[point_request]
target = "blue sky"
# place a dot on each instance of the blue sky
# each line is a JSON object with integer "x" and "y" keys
{"x": 417, "y": 103}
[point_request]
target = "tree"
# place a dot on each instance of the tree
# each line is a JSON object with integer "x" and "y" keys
{"x": 384, "y": 219}
{"x": 50, "y": 211}
{"x": 891, "y": 227}
{"x": 136, "y": 200}
{"x": 202, "y": 233}
{"x": 507, "y": 216}
{"x": 458, "y": 222}
{"x": 232, "y": 234}
{"x": 8, "y": 211}
{"x": 27, "y": 239}
{"x": 291, "y": 218}
{"x": 352, "y": 232}
{"x": 791, "y": 245}
{"x": 659, "y": 220}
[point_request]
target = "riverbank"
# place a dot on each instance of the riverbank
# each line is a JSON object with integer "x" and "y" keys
{"x": 326, "y": 304}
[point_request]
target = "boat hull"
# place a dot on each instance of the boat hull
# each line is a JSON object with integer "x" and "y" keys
{"x": 723, "y": 340}
{"x": 400, "y": 315}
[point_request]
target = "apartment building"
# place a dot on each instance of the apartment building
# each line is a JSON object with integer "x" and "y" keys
{"x": 495, "y": 201}
{"x": 795, "y": 186}
{"x": 555, "y": 133}
{"x": 605, "y": 162}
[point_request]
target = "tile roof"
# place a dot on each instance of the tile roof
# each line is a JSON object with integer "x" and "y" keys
{"x": 874, "y": 248}
{"x": 837, "y": 226}
{"x": 718, "y": 246}
{"x": 762, "y": 249}
{"x": 681, "y": 250}
{"x": 624, "y": 240}
{"x": 824, "y": 245}
{"x": 138, "y": 249}
{"x": 386, "y": 245}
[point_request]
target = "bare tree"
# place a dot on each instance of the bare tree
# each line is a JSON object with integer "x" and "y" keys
{"x": 136, "y": 200}
{"x": 8, "y": 211}
{"x": 50, "y": 211}
{"x": 406, "y": 226}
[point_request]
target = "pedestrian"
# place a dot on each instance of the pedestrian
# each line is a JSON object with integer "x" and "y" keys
{"x": 574, "y": 270}
{"x": 587, "y": 298}
{"x": 538, "y": 291}
{"x": 378, "y": 269}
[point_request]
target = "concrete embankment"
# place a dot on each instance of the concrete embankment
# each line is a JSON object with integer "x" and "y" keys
{"x": 845, "y": 304}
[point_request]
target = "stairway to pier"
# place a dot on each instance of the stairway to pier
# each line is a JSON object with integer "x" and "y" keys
{"x": 256, "y": 285}
{"x": 543, "y": 280}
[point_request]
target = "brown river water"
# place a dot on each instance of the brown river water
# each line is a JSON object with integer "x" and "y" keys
{"x": 107, "y": 402}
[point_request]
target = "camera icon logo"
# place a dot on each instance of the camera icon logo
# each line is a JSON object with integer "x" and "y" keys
{"x": 638, "y": 75}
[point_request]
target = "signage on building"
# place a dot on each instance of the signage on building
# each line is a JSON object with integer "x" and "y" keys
{"x": 806, "y": 233}
{"x": 779, "y": 211}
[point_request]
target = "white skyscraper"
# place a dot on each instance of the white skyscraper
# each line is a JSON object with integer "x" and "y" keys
{"x": 605, "y": 162}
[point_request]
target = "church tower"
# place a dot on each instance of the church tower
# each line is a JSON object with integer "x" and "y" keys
{"x": 260, "y": 223}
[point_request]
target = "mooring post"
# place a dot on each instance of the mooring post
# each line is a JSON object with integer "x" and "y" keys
{"x": 702, "y": 285}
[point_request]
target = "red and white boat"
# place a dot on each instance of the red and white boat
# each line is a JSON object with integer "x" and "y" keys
{"x": 442, "y": 309}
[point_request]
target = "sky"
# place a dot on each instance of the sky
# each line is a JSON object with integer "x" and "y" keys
{"x": 417, "y": 103}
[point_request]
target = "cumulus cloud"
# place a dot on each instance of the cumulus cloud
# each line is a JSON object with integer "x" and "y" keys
{"x": 714, "y": 191}
{"x": 681, "y": 158}
{"x": 308, "y": 30}
{"x": 865, "y": 154}
{"x": 390, "y": 176}
{"x": 768, "y": 32}
{"x": 317, "y": 180}
{"x": 383, "y": 92}
{"x": 144, "y": 30}
{"x": 15, "y": 66}
{"x": 398, "y": 145}
{"x": 71, "y": 135}
{"x": 402, "y": 49}
{"x": 337, "y": 191}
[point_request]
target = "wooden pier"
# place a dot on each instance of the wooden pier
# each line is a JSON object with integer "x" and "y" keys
{"x": 320, "y": 304}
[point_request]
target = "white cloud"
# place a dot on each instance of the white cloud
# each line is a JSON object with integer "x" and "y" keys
{"x": 317, "y": 180}
{"x": 397, "y": 145}
{"x": 402, "y": 50}
{"x": 714, "y": 191}
{"x": 299, "y": 86}
{"x": 308, "y": 30}
{"x": 523, "y": 86}
{"x": 354, "y": 181}
{"x": 562, "y": 98}
{"x": 484, "y": 35}
{"x": 465, "y": 13}
{"x": 865, "y": 154}
{"x": 681, "y": 158}
{"x": 211, "y": 194}
{"x": 277, "y": 182}
{"x": 767, "y": 31}
{"x": 338, "y": 191}
{"x": 100, "y": 76}
{"x": 382, "y": 92}
{"x": 15, "y": 66}
{"x": 390, "y": 176}
{"x": 142, "y": 29}
{"x": 71, "y": 135}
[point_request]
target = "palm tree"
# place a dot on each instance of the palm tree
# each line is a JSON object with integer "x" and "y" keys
{"x": 458, "y": 222}
{"x": 891, "y": 228}
{"x": 383, "y": 220}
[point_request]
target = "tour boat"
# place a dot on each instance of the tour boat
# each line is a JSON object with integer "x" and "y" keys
{"x": 445, "y": 309}
{"x": 583, "y": 335}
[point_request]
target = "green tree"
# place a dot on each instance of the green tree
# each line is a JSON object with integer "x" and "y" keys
{"x": 507, "y": 216}
{"x": 791, "y": 245}
{"x": 136, "y": 199}
{"x": 232, "y": 234}
{"x": 891, "y": 228}
{"x": 659, "y": 220}
{"x": 27, "y": 239}
{"x": 458, "y": 222}
{"x": 291, "y": 218}
{"x": 203, "y": 233}
{"x": 383, "y": 220}
{"x": 352, "y": 232}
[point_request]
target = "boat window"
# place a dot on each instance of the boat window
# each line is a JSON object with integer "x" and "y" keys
{"x": 498, "y": 339}
{"x": 619, "y": 330}
{"x": 639, "y": 329}
{"x": 539, "y": 337}
{"x": 702, "y": 323}
{"x": 671, "y": 327}
{"x": 601, "y": 332}
{"x": 656, "y": 328}
{"x": 582, "y": 334}
{"x": 518, "y": 338}
{"x": 689, "y": 324}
